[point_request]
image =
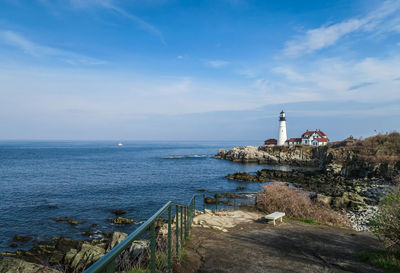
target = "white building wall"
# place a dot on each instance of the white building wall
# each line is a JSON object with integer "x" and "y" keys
{"x": 282, "y": 132}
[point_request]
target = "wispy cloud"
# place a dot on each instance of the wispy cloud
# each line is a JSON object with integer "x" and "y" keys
{"x": 360, "y": 85}
{"x": 18, "y": 41}
{"x": 217, "y": 63}
{"x": 110, "y": 5}
{"x": 325, "y": 36}
{"x": 332, "y": 79}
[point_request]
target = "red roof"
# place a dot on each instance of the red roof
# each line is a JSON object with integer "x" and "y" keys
{"x": 321, "y": 133}
{"x": 293, "y": 139}
{"x": 308, "y": 133}
{"x": 271, "y": 141}
{"x": 322, "y": 139}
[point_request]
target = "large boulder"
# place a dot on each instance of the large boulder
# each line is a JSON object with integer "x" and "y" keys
{"x": 87, "y": 255}
{"x": 322, "y": 200}
{"x": 352, "y": 201}
{"x": 117, "y": 237}
{"x": 14, "y": 265}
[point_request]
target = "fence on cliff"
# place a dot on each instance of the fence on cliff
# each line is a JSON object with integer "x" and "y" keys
{"x": 166, "y": 245}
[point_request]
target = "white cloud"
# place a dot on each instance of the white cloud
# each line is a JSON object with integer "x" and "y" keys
{"x": 180, "y": 57}
{"x": 325, "y": 36}
{"x": 112, "y": 6}
{"x": 217, "y": 63}
{"x": 366, "y": 80}
{"x": 18, "y": 41}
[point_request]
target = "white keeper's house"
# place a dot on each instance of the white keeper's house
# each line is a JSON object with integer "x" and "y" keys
{"x": 314, "y": 138}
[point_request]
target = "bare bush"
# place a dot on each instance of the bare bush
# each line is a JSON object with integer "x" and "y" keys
{"x": 386, "y": 224}
{"x": 295, "y": 203}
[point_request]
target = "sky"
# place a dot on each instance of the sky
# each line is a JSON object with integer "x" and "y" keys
{"x": 197, "y": 70}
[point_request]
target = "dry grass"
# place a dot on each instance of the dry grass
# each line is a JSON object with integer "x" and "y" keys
{"x": 296, "y": 204}
{"x": 382, "y": 148}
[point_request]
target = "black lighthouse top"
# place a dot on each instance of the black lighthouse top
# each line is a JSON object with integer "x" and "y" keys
{"x": 282, "y": 116}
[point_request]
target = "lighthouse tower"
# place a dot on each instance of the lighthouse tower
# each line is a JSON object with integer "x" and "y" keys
{"x": 282, "y": 129}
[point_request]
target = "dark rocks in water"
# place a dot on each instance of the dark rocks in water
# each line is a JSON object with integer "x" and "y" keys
{"x": 52, "y": 207}
{"x": 13, "y": 245}
{"x": 85, "y": 233}
{"x": 119, "y": 212}
{"x": 120, "y": 221}
{"x": 243, "y": 176}
{"x": 210, "y": 200}
{"x": 19, "y": 238}
{"x": 240, "y": 188}
{"x": 66, "y": 219}
{"x": 201, "y": 190}
{"x": 229, "y": 195}
{"x": 93, "y": 225}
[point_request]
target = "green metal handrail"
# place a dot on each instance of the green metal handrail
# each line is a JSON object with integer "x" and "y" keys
{"x": 183, "y": 228}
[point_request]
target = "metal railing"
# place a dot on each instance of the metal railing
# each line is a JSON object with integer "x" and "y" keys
{"x": 182, "y": 217}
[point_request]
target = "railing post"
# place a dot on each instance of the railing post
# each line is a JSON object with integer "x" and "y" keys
{"x": 177, "y": 230}
{"x": 153, "y": 247}
{"x": 111, "y": 267}
{"x": 181, "y": 227}
{"x": 169, "y": 240}
{"x": 186, "y": 222}
{"x": 204, "y": 202}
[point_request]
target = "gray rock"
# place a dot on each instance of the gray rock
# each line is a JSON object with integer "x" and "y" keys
{"x": 87, "y": 255}
{"x": 14, "y": 265}
{"x": 116, "y": 238}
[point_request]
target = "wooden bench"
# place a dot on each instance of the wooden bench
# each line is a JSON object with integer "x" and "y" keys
{"x": 274, "y": 216}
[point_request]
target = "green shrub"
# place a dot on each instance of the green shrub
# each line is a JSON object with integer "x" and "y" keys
{"x": 308, "y": 221}
{"x": 386, "y": 224}
{"x": 387, "y": 260}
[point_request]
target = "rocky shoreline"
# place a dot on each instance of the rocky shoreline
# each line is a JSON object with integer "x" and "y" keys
{"x": 63, "y": 254}
{"x": 357, "y": 197}
{"x": 350, "y": 175}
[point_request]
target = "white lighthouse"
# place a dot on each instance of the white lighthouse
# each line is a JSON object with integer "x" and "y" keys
{"x": 282, "y": 129}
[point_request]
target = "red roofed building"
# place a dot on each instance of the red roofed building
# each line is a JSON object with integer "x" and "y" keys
{"x": 271, "y": 141}
{"x": 293, "y": 141}
{"x": 315, "y": 138}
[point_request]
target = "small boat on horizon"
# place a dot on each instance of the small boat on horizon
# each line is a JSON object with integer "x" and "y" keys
{"x": 120, "y": 144}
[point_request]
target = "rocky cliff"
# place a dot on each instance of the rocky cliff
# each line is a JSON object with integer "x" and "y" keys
{"x": 294, "y": 155}
{"x": 375, "y": 157}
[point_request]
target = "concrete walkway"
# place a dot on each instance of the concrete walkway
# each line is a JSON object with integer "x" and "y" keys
{"x": 251, "y": 246}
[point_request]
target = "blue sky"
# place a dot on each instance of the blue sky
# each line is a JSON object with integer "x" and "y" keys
{"x": 197, "y": 70}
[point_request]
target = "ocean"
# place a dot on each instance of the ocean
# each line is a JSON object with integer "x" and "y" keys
{"x": 85, "y": 181}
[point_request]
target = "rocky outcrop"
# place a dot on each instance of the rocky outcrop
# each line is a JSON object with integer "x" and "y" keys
{"x": 120, "y": 220}
{"x": 293, "y": 155}
{"x": 13, "y": 265}
{"x": 69, "y": 255}
{"x": 349, "y": 158}
{"x": 330, "y": 189}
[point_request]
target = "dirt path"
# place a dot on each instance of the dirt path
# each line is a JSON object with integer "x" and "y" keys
{"x": 289, "y": 247}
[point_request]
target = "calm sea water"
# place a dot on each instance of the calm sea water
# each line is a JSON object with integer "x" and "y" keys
{"x": 86, "y": 180}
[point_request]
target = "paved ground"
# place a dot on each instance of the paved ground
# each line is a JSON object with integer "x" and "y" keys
{"x": 289, "y": 247}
